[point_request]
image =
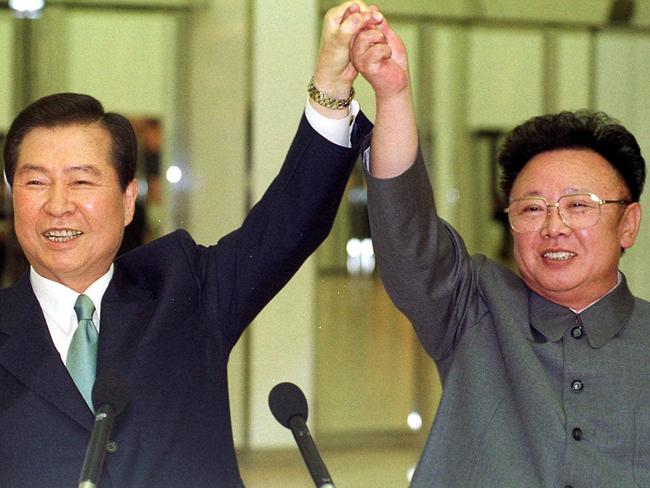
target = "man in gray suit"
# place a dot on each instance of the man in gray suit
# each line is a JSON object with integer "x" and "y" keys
{"x": 545, "y": 373}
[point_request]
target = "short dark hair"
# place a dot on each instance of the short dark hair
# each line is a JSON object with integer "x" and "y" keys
{"x": 584, "y": 129}
{"x": 64, "y": 109}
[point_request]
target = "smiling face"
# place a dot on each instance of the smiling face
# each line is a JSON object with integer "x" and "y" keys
{"x": 69, "y": 209}
{"x": 573, "y": 267}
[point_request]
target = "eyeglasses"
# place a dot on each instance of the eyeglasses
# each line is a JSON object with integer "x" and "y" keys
{"x": 577, "y": 211}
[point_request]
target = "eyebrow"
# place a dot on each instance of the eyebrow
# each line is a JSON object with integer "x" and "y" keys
{"x": 566, "y": 191}
{"x": 30, "y": 167}
{"x": 84, "y": 168}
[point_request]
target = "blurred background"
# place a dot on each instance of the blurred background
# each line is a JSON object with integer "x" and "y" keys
{"x": 215, "y": 89}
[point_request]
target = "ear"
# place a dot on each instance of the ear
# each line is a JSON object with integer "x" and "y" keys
{"x": 130, "y": 196}
{"x": 629, "y": 225}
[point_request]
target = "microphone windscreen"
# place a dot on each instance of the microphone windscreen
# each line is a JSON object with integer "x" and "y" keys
{"x": 111, "y": 387}
{"x": 286, "y": 401}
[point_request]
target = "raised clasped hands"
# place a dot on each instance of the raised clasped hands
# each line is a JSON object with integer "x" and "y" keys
{"x": 356, "y": 38}
{"x": 335, "y": 72}
{"x": 379, "y": 55}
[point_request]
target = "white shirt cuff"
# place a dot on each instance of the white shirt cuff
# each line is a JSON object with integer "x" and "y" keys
{"x": 337, "y": 131}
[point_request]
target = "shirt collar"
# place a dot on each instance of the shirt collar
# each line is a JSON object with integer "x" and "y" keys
{"x": 601, "y": 320}
{"x": 58, "y": 300}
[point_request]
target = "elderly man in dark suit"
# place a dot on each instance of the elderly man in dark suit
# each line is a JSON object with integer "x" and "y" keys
{"x": 166, "y": 315}
{"x": 545, "y": 373}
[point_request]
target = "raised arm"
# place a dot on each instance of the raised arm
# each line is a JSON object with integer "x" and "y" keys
{"x": 423, "y": 263}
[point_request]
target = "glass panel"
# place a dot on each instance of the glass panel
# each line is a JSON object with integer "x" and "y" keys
{"x": 367, "y": 353}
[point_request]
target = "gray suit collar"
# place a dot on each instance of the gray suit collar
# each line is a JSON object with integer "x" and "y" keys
{"x": 601, "y": 322}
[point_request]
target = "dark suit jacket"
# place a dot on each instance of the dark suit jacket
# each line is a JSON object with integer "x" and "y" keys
{"x": 170, "y": 317}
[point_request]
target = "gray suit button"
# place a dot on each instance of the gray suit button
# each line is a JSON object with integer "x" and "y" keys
{"x": 577, "y": 434}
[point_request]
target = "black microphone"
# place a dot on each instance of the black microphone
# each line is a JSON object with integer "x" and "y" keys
{"x": 289, "y": 407}
{"x": 110, "y": 396}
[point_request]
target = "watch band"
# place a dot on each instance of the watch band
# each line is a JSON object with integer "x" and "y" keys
{"x": 317, "y": 95}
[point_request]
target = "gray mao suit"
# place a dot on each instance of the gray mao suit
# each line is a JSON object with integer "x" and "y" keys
{"x": 534, "y": 395}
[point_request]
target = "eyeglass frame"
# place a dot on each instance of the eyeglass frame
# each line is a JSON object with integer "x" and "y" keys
{"x": 595, "y": 198}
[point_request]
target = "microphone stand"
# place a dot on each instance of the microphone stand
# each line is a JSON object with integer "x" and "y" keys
{"x": 310, "y": 453}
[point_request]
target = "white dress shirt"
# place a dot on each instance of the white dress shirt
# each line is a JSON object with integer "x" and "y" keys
{"x": 57, "y": 302}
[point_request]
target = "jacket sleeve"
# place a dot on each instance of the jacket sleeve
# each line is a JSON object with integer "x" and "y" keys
{"x": 246, "y": 268}
{"x": 424, "y": 264}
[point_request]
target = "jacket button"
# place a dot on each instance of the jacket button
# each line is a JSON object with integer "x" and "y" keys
{"x": 111, "y": 447}
{"x": 577, "y": 332}
{"x": 577, "y": 434}
{"x": 577, "y": 386}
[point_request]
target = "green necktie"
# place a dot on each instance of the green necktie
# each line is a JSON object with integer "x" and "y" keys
{"x": 82, "y": 355}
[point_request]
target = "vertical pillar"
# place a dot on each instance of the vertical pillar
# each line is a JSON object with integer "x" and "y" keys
{"x": 285, "y": 36}
{"x": 218, "y": 101}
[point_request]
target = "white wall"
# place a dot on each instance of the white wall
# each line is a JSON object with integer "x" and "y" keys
{"x": 506, "y": 76}
{"x": 131, "y": 68}
{"x": 623, "y": 91}
{"x": 6, "y": 69}
{"x": 572, "y": 65}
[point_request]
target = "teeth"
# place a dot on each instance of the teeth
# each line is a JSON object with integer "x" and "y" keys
{"x": 62, "y": 235}
{"x": 559, "y": 256}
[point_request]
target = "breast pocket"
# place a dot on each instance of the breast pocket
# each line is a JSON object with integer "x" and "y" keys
{"x": 642, "y": 446}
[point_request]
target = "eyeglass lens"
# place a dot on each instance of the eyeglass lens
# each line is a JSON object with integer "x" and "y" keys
{"x": 577, "y": 211}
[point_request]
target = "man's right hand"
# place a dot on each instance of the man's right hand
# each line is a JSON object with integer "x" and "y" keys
{"x": 380, "y": 56}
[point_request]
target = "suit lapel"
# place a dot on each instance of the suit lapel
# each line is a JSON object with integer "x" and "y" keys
{"x": 27, "y": 350}
{"x": 28, "y": 353}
